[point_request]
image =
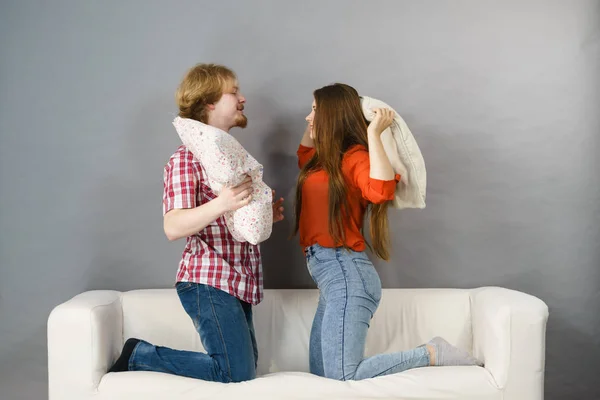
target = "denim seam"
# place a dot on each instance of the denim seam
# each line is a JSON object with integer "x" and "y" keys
{"x": 323, "y": 260}
{"x": 212, "y": 306}
{"x": 186, "y": 288}
{"x": 319, "y": 343}
{"x": 130, "y": 363}
{"x": 250, "y": 326}
{"x": 344, "y": 313}
{"x": 150, "y": 367}
{"x": 404, "y": 362}
{"x": 362, "y": 278}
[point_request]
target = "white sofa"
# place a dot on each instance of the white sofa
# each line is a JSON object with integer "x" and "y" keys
{"x": 504, "y": 328}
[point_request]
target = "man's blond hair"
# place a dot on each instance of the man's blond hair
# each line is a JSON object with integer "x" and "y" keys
{"x": 202, "y": 85}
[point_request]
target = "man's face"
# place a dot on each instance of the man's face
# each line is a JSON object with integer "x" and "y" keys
{"x": 229, "y": 110}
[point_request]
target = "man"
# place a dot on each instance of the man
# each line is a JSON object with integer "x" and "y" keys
{"x": 219, "y": 279}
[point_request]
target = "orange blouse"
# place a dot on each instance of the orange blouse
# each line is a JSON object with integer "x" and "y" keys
{"x": 362, "y": 190}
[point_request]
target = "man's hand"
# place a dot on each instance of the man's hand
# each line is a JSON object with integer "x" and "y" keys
{"x": 233, "y": 198}
{"x": 277, "y": 209}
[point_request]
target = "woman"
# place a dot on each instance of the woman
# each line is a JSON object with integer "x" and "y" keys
{"x": 344, "y": 174}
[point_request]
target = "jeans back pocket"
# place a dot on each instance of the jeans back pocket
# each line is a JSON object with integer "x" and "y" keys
{"x": 370, "y": 278}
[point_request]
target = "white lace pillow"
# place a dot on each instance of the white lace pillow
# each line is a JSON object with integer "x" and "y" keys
{"x": 226, "y": 162}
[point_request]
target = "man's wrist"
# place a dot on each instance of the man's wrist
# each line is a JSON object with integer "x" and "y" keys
{"x": 219, "y": 206}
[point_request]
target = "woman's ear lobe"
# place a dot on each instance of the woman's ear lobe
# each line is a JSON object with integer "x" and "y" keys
{"x": 211, "y": 106}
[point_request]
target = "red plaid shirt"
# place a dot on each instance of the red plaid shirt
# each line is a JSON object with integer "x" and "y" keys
{"x": 212, "y": 256}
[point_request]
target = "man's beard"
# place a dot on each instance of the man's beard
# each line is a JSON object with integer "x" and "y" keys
{"x": 241, "y": 121}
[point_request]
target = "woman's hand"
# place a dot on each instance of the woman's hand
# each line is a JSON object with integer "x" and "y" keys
{"x": 383, "y": 119}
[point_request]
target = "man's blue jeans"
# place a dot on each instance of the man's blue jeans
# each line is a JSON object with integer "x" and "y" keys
{"x": 225, "y": 326}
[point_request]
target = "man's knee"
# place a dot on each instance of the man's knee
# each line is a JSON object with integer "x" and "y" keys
{"x": 241, "y": 368}
{"x": 244, "y": 374}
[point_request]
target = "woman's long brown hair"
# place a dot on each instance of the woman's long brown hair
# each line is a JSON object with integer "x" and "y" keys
{"x": 338, "y": 124}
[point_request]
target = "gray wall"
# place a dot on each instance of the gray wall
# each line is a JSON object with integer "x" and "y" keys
{"x": 502, "y": 96}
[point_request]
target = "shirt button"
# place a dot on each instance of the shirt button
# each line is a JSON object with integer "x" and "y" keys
{"x": 250, "y": 250}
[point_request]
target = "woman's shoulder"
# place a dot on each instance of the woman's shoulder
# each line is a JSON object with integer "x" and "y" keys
{"x": 356, "y": 151}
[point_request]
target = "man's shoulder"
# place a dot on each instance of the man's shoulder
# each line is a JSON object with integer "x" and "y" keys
{"x": 183, "y": 153}
{"x": 182, "y": 156}
{"x": 183, "y": 159}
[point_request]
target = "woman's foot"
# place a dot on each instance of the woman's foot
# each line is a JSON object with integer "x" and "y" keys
{"x": 122, "y": 364}
{"x": 442, "y": 353}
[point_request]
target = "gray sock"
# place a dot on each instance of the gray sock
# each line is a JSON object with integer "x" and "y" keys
{"x": 446, "y": 354}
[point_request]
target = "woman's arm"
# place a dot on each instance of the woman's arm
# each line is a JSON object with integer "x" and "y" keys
{"x": 380, "y": 164}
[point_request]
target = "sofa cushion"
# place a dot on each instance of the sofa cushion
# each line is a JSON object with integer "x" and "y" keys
{"x": 465, "y": 383}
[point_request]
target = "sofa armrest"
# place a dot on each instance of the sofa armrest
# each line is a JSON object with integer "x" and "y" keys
{"x": 509, "y": 335}
{"x": 85, "y": 335}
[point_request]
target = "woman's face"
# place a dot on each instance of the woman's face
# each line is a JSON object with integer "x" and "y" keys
{"x": 310, "y": 118}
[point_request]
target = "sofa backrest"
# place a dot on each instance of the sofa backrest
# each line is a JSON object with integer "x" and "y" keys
{"x": 406, "y": 318}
